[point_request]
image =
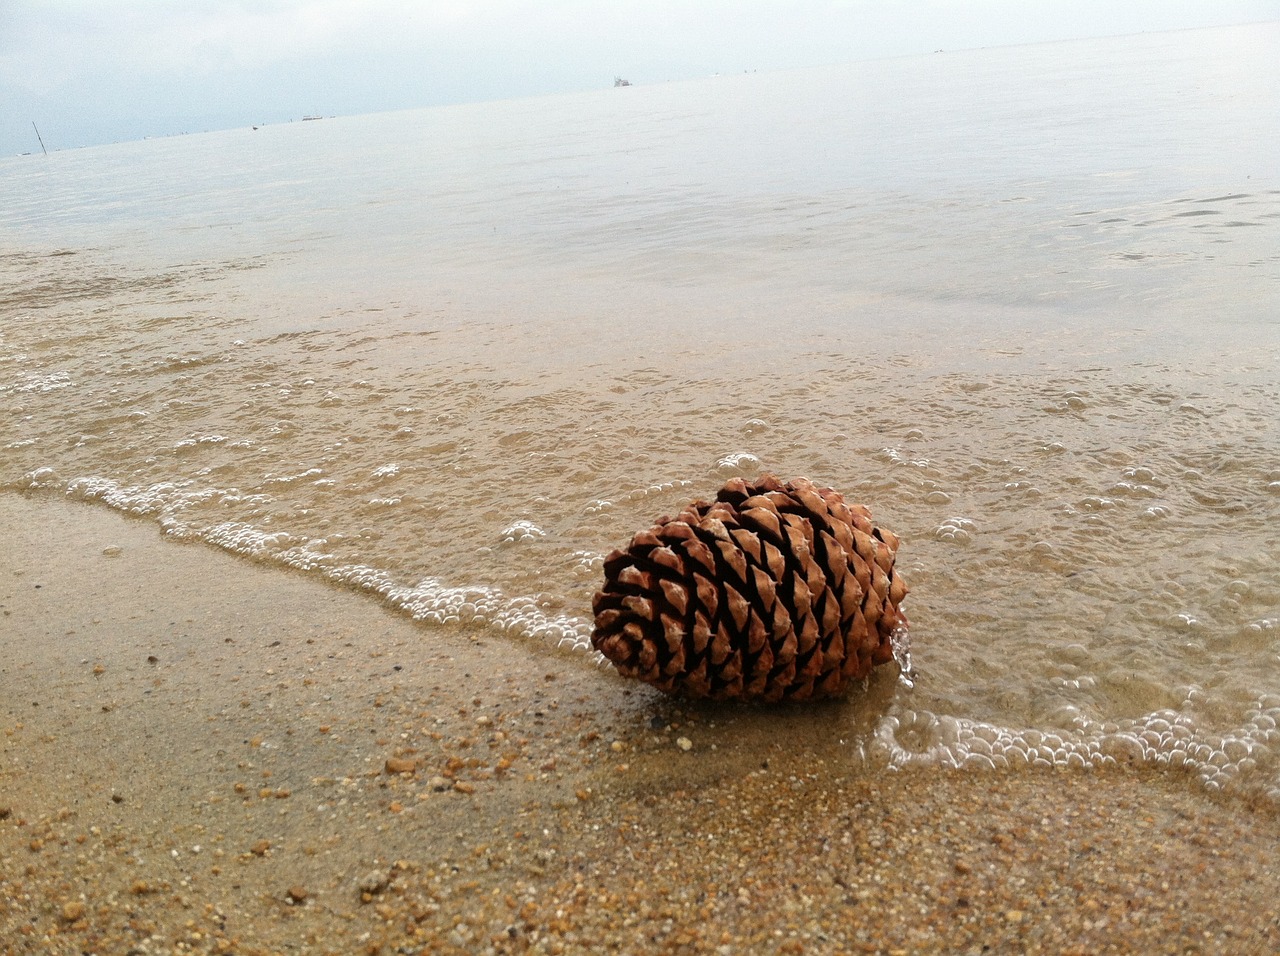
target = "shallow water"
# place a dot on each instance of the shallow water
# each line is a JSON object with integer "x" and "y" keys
{"x": 1022, "y": 302}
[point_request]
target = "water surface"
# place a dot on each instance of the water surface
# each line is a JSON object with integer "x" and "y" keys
{"x": 1024, "y": 303}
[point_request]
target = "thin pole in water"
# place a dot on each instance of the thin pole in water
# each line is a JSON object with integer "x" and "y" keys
{"x": 39, "y": 137}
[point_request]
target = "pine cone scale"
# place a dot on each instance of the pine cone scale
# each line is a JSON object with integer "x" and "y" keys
{"x": 766, "y": 592}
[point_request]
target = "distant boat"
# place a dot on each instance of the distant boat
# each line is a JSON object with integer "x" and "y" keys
{"x": 305, "y": 118}
{"x": 619, "y": 81}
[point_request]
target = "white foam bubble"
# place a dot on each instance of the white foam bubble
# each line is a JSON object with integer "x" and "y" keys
{"x": 165, "y": 501}
{"x": 41, "y": 478}
{"x": 587, "y": 563}
{"x": 272, "y": 479}
{"x": 37, "y": 384}
{"x": 638, "y": 494}
{"x": 1095, "y": 503}
{"x": 429, "y": 600}
{"x": 737, "y": 463}
{"x": 196, "y": 440}
{"x": 956, "y": 529}
{"x": 522, "y": 532}
{"x": 1133, "y": 489}
{"x": 895, "y": 457}
{"x": 1242, "y": 760}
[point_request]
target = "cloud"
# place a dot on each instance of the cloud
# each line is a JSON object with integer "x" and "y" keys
{"x": 50, "y": 44}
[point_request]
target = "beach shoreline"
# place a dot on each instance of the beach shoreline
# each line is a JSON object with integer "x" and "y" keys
{"x": 204, "y": 754}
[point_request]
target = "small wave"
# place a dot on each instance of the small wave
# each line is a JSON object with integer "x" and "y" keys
{"x": 429, "y": 600}
{"x": 1241, "y": 761}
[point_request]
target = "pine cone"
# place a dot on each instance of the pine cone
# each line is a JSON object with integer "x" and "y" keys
{"x": 773, "y": 591}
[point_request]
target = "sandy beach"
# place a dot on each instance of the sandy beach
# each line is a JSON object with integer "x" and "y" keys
{"x": 202, "y": 755}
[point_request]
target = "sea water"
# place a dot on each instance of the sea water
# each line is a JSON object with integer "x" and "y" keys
{"x": 1022, "y": 302}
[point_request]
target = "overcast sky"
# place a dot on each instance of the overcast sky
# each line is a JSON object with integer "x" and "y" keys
{"x": 98, "y": 71}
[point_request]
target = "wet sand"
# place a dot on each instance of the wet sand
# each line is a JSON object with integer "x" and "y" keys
{"x": 202, "y": 755}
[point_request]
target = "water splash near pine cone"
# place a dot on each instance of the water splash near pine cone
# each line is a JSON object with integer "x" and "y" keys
{"x": 775, "y": 590}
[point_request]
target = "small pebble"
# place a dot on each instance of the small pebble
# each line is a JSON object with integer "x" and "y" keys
{"x": 375, "y": 881}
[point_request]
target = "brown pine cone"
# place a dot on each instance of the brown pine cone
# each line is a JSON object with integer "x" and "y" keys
{"x": 773, "y": 591}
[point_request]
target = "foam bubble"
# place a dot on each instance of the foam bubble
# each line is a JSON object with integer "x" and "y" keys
{"x": 1095, "y": 503}
{"x": 587, "y": 564}
{"x": 429, "y": 600}
{"x": 1140, "y": 473}
{"x": 1242, "y": 760}
{"x": 895, "y": 457}
{"x": 197, "y": 440}
{"x": 1025, "y": 487}
{"x": 521, "y": 532}
{"x": 640, "y": 493}
{"x": 165, "y": 501}
{"x": 37, "y": 384}
{"x": 271, "y": 479}
{"x": 41, "y": 478}
{"x": 737, "y": 463}
{"x": 1133, "y": 489}
{"x": 956, "y": 529}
